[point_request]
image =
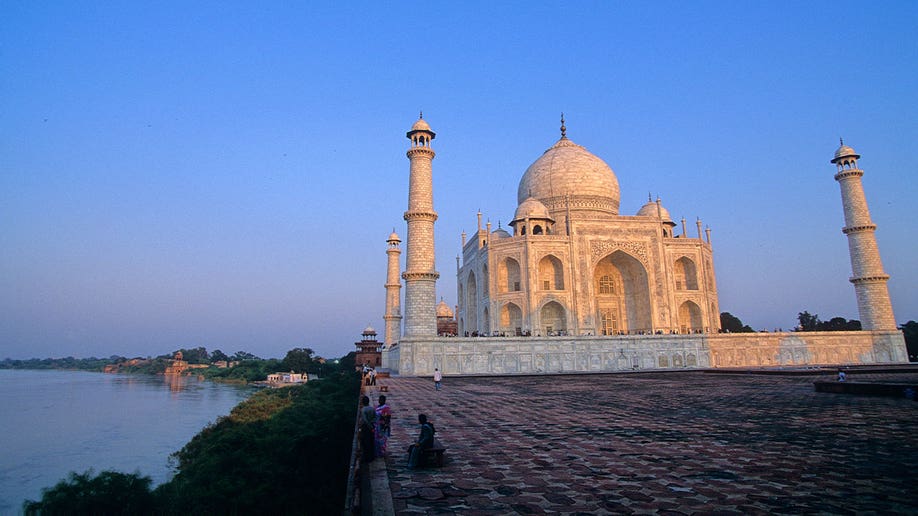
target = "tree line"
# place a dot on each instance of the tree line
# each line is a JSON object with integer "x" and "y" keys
{"x": 241, "y": 366}
{"x": 729, "y": 323}
{"x": 282, "y": 451}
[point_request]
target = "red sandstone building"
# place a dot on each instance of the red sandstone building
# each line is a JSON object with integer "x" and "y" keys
{"x": 368, "y": 352}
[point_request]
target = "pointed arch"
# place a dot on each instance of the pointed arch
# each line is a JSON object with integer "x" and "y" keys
{"x": 621, "y": 295}
{"x": 551, "y": 273}
{"x": 486, "y": 320}
{"x": 508, "y": 275}
{"x": 511, "y": 318}
{"x": 485, "y": 281}
{"x": 553, "y": 318}
{"x": 471, "y": 303}
{"x": 690, "y": 318}
{"x": 685, "y": 274}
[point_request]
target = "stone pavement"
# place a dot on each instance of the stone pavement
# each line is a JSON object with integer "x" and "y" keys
{"x": 665, "y": 443}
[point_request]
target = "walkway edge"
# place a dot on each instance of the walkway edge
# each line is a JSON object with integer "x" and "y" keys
{"x": 379, "y": 488}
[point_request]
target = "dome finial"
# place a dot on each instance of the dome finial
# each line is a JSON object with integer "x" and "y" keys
{"x": 563, "y": 129}
{"x": 649, "y": 198}
{"x": 841, "y": 142}
{"x": 420, "y": 115}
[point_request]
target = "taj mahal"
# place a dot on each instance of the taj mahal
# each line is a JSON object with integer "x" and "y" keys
{"x": 574, "y": 286}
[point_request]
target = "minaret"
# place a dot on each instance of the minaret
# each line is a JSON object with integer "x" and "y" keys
{"x": 420, "y": 276}
{"x": 393, "y": 315}
{"x": 868, "y": 277}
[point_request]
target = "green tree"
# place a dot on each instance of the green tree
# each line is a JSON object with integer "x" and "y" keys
{"x": 910, "y": 330}
{"x": 808, "y": 322}
{"x": 840, "y": 324}
{"x": 244, "y": 355}
{"x": 246, "y": 371}
{"x": 299, "y": 360}
{"x": 732, "y": 324}
{"x": 218, "y": 356}
{"x": 197, "y": 355}
{"x": 347, "y": 363}
{"x": 283, "y": 451}
{"x": 109, "y": 492}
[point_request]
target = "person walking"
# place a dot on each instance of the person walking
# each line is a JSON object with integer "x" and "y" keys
{"x": 438, "y": 378}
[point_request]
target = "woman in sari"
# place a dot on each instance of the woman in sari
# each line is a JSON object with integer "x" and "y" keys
{"x": 383, "y": 420}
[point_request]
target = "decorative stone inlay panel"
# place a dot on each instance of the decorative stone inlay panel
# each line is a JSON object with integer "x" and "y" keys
{"x": 599, "y": 249}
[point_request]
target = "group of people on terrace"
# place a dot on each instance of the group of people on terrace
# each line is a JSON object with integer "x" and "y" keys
{"x": 375, "y": 428}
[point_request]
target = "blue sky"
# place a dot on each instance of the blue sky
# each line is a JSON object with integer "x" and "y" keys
{"x": 225, "y": 175}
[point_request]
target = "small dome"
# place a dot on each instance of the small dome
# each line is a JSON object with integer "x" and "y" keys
{"x": 650, "y": 210}
{"x": 420, "y": 125}
{"x": 393, "y": 237}
{"x": 443, "y": 309}
{"x": 845, "y": 152}
{"x": 369, "y": 331}
{"x": 500, "y": 233}
{"x": 531, "y": 209}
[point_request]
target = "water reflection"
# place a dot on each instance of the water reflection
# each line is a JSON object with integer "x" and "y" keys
{"x": 55, "y": 422}
{"x": 176, "y": 383}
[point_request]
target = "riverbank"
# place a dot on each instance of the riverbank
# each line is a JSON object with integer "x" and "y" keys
{"x": 282, "y": 450}
{"x": 57, "y": 421}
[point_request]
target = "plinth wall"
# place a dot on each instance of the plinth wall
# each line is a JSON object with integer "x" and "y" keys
{"x": 550, "y": 355}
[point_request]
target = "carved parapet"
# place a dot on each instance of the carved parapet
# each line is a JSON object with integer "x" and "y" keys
{"x": 421, "y": 151}
{"x": 849, "y": 173}
{"x": 877, "y": 278}
{"x": 430, "y": 276}
{"x": 421, "y": 215}
{"x": 858, "y": 229}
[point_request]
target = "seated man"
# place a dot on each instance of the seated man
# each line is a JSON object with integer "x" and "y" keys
{"x": 425, "y": 441}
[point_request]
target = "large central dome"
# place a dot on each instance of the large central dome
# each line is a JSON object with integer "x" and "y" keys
{"x": 569, "y": 176}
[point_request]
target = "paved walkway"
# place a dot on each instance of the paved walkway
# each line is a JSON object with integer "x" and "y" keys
{"x": 664, "y": 443}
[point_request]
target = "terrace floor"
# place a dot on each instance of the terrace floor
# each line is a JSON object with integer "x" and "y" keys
{"x": 693, "y": 442}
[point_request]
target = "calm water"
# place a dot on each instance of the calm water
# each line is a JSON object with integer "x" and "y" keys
{"x": 55, "y": 422}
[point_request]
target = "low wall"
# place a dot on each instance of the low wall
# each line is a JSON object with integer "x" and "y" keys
{"x": 552, "y": 355}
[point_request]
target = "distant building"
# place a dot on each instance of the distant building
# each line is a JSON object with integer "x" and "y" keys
{"x": 178, "y": 365}
{"x": 368, "y": 352}
{"x": 290, "y": 377}
{"x": 447, "y": 326}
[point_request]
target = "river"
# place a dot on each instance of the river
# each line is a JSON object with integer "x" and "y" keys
{"x": 55, "y": 422}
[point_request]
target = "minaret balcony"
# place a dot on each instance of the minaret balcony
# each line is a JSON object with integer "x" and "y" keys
{"x": 430, "y": 276}
{"x": 420, "y": 151}
{"x": 859, "y": 229}
{"x": 878, "y": 278}
{"x": 854, "y": 172}
{"x": 421, "y": 215}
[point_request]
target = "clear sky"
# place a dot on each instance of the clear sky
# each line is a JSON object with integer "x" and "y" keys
{"x": 225, "y": 175}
